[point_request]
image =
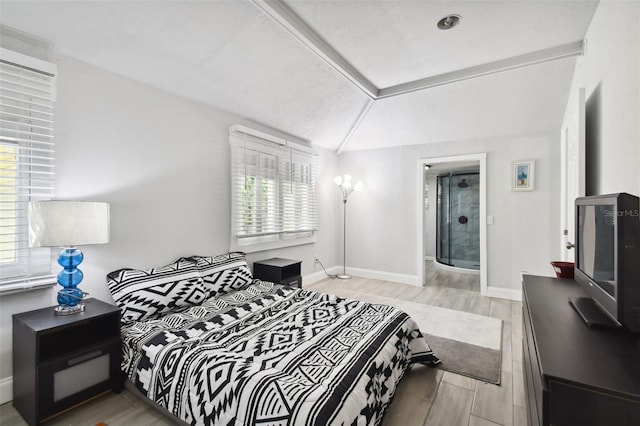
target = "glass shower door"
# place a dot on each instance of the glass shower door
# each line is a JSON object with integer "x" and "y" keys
{"x": 443, "y": 221}
{"x": 458, "y": 220}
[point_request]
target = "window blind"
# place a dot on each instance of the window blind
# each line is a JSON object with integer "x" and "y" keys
{"x": 273, "y": 191}
{"x": 27, "y": 98}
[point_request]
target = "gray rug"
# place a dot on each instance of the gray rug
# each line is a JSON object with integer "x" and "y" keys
{"x": 467, "y": 344}
{"x": 466, "y": 359}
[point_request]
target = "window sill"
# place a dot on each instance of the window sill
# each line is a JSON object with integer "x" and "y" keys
{"x": 29, "y": 284}
{"x": 271, "y": 245}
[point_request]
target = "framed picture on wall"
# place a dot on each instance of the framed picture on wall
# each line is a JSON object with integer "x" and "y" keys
{"x": 522, "y": 175}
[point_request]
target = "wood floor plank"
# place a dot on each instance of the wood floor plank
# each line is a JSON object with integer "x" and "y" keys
{"x": 516, "y": 343}
{"x": 480, "y": 305}
{"x": 500, "y": 309}
{"x": 493, "y": 402}
{"x": 141, "y": 416}
{"x": 519, "y": 416}
{"x": 442, "y": 297}
{"x": 109, "y": 406}
{"x": 414, "y": 397}
{"x": 407, "y": 412}
{"x": 9, "y": 416}
{"x": 427, "y": 295}
{"x": 479, "y": 421}
{"x": 507, "y": 358}
{"x": 458, "y": 300}
{"x": 460, "y": 381}
{"x": 519, "y": 398}
{"x": 408, "y": 292}
{"x": 452, "y": 406}
{"x": 421, "y": 381}
{"x": 388, "y": 289}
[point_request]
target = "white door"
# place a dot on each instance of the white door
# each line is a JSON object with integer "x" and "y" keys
{"x": 573, "y": 174}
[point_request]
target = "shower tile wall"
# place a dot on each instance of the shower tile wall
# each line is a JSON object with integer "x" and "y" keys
{"x": 465, "y": 201}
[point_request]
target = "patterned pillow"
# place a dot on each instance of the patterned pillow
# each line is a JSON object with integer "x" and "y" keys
{"x": 224, "y": 273}
{"x": 142, "y": 294}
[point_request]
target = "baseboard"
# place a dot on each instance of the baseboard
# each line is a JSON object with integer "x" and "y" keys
{"x": 385, "y": 276}
{"x": 6, "y": 390}
{"x": 504, "y": 293}
{"x": 319, "y": 275}
{"x": 364, "y": 273}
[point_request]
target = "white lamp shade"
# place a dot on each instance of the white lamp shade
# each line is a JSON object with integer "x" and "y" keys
{"x": 68, "y": 223}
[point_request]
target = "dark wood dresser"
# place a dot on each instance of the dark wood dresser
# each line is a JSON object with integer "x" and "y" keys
{"x": 574, "y": 374}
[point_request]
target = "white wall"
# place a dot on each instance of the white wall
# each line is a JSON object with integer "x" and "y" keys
{"x": 383, "y": 222}
{"x": 162, "y": 162}
{"x": 610, "y": 73}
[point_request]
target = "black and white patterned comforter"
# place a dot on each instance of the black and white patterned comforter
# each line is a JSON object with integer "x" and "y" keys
{"x": 270, "y": 354}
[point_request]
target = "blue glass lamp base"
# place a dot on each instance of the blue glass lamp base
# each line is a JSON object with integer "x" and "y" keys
{"x": 70, "y": 296}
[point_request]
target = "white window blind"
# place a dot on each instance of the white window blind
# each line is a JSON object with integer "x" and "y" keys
{"x": 27, "y": 98}
{"x": 273, "y": 192}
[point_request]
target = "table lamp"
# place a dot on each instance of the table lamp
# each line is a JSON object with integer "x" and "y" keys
{"x": 68, "y": 224}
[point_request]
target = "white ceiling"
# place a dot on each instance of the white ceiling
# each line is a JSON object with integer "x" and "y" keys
{"x": 233, "y": 55}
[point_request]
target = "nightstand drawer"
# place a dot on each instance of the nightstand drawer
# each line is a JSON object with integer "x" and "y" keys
{"x": 293, "y": 281}
{"x": 68, "y": 339}
{"x": 71, "y": 380}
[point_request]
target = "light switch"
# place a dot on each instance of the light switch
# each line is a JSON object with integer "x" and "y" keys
{"x": 489, "y": 220}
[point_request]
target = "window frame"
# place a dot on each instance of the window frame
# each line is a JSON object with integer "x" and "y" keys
{"x": 27, "y": 101}
{"x": 280, "y": 228}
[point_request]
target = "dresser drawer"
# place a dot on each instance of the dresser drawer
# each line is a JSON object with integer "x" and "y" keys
{"x": 534, "y": 389}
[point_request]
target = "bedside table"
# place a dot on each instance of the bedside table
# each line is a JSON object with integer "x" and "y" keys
{"x": 62, "y": 361}
{"x": 278, "y": 270}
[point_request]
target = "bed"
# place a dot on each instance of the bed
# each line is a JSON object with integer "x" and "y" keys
{"x": 205, "y": 342}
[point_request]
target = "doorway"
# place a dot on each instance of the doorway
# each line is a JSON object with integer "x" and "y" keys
{"x": 457, "y": 219}
{"x": 460, "y": 162}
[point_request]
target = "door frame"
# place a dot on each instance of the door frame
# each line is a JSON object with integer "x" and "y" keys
{"x": 572, "y": 172}
{"x": 482, "y": 160}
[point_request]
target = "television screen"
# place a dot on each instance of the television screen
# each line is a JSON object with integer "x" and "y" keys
{"x": 596, "y": 229}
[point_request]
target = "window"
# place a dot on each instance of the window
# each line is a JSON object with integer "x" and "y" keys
{"x": 273, "y": 191}
{"x": 27, "y": 97}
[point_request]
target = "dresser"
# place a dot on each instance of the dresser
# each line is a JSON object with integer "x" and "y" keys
{"x": 574, "y": 374}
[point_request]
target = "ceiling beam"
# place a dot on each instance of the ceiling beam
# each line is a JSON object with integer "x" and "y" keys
{"x": 514, "y": 62}
{"x": 355, "y": 126}
{"x": 287, "y": 18}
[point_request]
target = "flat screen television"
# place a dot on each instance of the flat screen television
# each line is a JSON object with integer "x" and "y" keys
{"x": 607, "y": 263}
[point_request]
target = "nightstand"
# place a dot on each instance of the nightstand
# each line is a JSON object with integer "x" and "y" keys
{"x": 62, "y": 361}
{"x": 278, "y": 270}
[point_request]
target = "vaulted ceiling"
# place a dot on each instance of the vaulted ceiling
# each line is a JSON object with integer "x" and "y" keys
{"x": 344, "y": 75}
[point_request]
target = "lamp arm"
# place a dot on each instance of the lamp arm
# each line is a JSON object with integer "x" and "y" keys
{"x": 345, "y": 192}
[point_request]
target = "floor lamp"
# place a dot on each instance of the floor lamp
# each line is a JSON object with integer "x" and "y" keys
{"x": 344, "y": 183}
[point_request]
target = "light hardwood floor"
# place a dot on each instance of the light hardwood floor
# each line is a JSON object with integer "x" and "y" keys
{"x": 439, "y": 277}
{"x": 425, "y": 397}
